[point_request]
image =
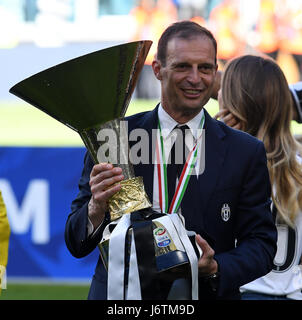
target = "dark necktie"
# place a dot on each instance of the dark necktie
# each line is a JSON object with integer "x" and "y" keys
{"x": 177, "y": 160}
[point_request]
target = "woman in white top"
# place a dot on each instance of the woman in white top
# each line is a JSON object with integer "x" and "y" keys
{"x": 255, "y": 98}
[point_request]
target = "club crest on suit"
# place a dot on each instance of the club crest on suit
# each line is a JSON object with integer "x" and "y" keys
{"x": 225, "y": 212}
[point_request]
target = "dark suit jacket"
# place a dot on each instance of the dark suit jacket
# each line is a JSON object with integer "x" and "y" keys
{"x": 235, "y": 174}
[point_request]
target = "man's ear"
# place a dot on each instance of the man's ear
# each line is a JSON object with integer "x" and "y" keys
{"x": 156, "y": 66}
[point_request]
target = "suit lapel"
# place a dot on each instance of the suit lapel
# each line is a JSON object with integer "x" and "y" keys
{"x": 202, "y": 187}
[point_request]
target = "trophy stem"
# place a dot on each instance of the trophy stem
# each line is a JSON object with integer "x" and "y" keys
{"x": 109, "y": 143}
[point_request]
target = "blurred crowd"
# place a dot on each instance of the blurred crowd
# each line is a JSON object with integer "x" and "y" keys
{"x": 240, "y": 26}
{"x": 273, "y": 27}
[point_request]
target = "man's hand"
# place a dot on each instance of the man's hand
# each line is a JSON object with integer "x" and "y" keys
{"x": 206, "y": 264}
{"x": 102, "y": 183}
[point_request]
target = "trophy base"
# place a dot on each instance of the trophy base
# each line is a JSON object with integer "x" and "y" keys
{"x": 174, "y": 259}
{"x": 170, "y": 270}
{"x": 169, "y": 260}
{"x": 173, "y": 263}
{"x": 104, "y": 252}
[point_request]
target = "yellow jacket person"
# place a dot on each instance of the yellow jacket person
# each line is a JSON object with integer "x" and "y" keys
{"x": 4, "y": 239}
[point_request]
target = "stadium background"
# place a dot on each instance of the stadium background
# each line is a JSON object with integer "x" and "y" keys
{"x": 41, "y": 159}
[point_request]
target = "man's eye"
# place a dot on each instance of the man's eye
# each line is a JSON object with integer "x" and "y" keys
{"x": 206, "y": 69}
{"x": 181, "y": 66}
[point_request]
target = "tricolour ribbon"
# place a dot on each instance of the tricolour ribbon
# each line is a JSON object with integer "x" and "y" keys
{"x": 184, "y": 177}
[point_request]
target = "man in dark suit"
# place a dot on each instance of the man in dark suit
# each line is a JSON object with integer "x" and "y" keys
{"x": 227, "y": 203}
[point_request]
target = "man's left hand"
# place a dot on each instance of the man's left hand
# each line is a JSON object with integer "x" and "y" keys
{"x": 207, "y": 265}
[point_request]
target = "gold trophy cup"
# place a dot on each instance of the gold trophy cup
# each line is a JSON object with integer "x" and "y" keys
{"x": 91, "y": 93}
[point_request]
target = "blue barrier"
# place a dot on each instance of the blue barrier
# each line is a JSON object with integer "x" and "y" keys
{"x": 38, "y": 185}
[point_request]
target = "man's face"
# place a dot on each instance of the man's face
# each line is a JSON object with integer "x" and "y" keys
{"x": 188, "y": 77}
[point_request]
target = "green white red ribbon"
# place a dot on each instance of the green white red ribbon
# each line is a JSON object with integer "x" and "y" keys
{"x": 184, "y": 177}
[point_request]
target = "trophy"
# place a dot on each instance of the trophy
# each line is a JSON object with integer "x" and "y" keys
{"x": 91, "y": 94}
{"x": 86, "y": 93}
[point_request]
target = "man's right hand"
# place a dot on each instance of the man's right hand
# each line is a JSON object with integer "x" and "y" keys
{"x": 103, "y": 177}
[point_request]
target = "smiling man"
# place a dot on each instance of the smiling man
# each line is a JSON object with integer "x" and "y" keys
{"x": 227, "y": 204}
{"x": 186, "y": 66}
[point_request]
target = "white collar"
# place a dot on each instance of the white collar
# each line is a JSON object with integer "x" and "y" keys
{"x": 167, "y": 123}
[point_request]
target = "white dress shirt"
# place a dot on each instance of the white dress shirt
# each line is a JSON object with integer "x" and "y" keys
{"x": 167, "y": 125}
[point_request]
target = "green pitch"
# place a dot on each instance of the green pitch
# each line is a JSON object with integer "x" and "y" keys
{"x": 24, "y": 125}
{"x": 44, "y": 292}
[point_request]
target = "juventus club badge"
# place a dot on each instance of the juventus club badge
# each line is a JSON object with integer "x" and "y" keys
{"x": 225, "y": 212}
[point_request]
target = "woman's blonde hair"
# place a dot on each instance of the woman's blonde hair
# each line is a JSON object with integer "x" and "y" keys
{"x": 254, "y": 89}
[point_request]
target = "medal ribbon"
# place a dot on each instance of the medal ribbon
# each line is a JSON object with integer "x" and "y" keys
{"x": 184, "y": 177}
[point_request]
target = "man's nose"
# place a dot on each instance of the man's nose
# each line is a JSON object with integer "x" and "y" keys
{"x": 194, "y": 76}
